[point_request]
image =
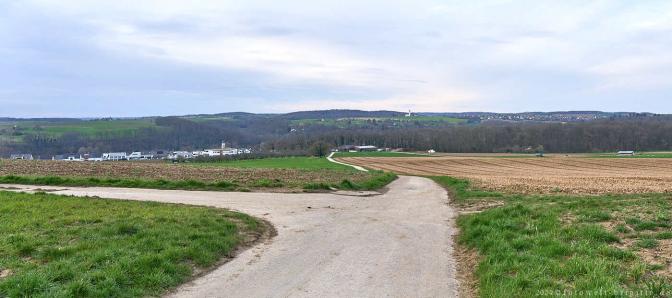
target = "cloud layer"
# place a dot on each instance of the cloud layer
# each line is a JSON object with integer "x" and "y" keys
{"x": 133, "y": 58}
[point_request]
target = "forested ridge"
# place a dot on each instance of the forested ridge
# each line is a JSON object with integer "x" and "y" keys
{"x": 292, "y": 132}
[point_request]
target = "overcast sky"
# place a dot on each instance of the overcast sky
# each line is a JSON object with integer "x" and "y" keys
{"x": 169, "y": 57}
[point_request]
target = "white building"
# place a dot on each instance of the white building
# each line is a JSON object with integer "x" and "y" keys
{"x": 224, "y": 151}
{"x": 626, "y": 153}
{"x": 68, "y": 157}
{"x": 21, "y": 156}
{"x": 139, "y": 156}
{"x": 366, "y": 148}
{"x": 114, "y": 156}
{"x": 181, "y": 155}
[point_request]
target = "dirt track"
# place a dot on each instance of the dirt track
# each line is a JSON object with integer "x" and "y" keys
{"x": 393, "y": 245}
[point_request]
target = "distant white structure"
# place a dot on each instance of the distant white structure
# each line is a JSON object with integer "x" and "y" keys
{"x": 366, "y": 148}
{"x": 626, "y": 153}
{"x": 21, "y": 157}
{"x": 68, "y": 157}
{"x": 181, "y": 155}
{"x": 409, "y": 114}
{"x": 224, "y": 151}
{"x": 431, "y": 151}
{"x": 114, "y": 156}
{"x": 139, "y": 156}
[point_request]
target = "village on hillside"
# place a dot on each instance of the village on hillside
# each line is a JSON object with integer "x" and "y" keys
{"x": 175, "y": 155}
{"x": 139, "y": 155}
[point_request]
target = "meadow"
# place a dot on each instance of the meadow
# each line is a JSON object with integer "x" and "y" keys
{"x": 90, "y": 128}
{"x": 58, "y": 246}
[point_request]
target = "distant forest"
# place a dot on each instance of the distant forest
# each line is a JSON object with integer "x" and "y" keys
{"x": 299, "y": 131}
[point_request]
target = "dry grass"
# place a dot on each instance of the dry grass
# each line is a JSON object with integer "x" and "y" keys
{"x": 539, "y": 175}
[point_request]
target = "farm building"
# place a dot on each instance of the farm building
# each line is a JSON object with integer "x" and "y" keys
{"x": 366, "y": 148}
{"x": 140, "y": 156}
{"x": 21, "y": 156}
{"x": 223, "y": 151}
{"x": 626, "y": 153}
{"x": 114, "y": 156}
{"x": 68, "y": 157}
{"x": 181, "y": 155}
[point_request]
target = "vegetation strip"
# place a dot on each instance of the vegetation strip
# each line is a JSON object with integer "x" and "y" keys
{"x": 58, "y": 246}
{"x": 376, "y": 180}
{"x": 256, "y": 175}
{"x": 550, "y": 245}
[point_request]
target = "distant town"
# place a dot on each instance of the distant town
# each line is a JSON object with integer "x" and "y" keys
{"x": 138, "y": 155}
{"x": 177, "y": 155}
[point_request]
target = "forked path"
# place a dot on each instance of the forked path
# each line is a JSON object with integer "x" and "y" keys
{"x": 397, "y": 244}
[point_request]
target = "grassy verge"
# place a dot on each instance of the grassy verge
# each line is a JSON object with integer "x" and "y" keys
{"x": 557, "y": 245}
{"x": 57, "y": 246}
{"x": 114, "y": 182}
{"x": 378, "y": 180}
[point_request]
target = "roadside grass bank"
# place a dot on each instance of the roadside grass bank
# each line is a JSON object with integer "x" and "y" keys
{"x": 371, "y": 181}
{"x": 562, "y": 245}
{"x": 59, "y": 246}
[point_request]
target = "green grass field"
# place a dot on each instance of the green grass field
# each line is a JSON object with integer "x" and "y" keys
{"x": 87, "y": 128}
{"x": 568, "y": 246}
{"x": 57, "y": 246}
{"x": 306, "y": 163}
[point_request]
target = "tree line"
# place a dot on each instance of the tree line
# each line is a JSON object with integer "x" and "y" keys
{"x": 597, "y": 136}
{"x": 276, "y": 135}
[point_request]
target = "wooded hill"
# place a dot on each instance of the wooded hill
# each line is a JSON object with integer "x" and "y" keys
{"x": 449, "y": 132}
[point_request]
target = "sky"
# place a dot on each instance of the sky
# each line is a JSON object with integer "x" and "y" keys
{"x": 85, "y": 58}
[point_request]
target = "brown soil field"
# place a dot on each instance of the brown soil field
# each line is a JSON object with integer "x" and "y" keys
{"x": 538, "y": 175}
{"x": 291, "y": 178}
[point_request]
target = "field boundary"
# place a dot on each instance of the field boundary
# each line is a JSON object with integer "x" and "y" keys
{"x": 358, "y": 168}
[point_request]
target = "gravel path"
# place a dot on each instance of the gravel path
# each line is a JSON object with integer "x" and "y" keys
{"x": 397, "y": 244}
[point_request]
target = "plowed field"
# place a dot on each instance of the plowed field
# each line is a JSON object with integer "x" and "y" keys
{"x": 539, "y": 175}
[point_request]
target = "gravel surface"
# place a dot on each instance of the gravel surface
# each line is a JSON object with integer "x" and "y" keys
{"x": 398, "y": 244}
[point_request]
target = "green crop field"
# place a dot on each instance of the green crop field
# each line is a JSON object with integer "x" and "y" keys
{"x": 58, "y": 246}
